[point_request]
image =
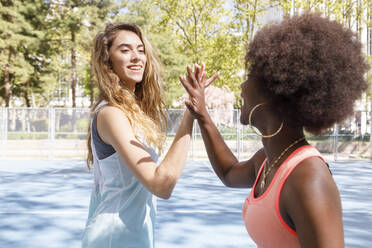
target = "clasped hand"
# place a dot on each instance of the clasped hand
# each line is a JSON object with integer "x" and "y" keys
{"x": 195, "y": 84}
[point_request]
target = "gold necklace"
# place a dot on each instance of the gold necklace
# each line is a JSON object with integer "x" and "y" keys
{"x": 266, "y": 172}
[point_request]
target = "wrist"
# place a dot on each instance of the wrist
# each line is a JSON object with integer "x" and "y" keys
{"x": 203, "y": 117}
{"x": 188, "y": 114}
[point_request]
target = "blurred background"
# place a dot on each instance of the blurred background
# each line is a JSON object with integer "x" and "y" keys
{"x": 47, "y": 86}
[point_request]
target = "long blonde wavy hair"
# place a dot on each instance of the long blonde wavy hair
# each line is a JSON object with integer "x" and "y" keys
{"x": 144, "y": 108}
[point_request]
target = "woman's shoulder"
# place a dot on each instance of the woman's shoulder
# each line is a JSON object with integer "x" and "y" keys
{"x": 112, "y": 123}
{"x": 310, "y": 183}
{"x": 310, "y": 173}
{"x": 111, "y": 113}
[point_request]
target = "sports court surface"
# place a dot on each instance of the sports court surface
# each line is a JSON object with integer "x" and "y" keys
{"x": 44, "y": 203}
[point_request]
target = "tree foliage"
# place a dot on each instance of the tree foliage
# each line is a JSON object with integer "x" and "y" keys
{"x": 45, "y": 45}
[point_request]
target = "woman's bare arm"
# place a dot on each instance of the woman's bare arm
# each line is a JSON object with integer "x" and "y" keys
{"x": 225, "y": 164}
{"x": 312, "y": 201}
{"x": 114, "y": 129}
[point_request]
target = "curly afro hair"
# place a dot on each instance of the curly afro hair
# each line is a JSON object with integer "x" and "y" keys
{"x": 311, "y": 68}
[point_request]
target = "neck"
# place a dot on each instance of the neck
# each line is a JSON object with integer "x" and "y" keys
{"x": 274, "y": 146}
{"x": 131, "y": 87}
{"x": 269, "y": 123}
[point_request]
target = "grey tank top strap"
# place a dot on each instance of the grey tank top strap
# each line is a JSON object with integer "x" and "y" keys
{"x": 96, "y": 167}
{"x": 103, "y": 150}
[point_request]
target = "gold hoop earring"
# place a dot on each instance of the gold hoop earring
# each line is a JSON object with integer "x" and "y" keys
{"x": 254, "y": 130}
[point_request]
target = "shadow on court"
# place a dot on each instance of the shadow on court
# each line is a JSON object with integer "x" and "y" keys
{"x": 44, "y": 203}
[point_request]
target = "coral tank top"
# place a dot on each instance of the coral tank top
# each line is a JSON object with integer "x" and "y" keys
{"x": 261, "y": 214}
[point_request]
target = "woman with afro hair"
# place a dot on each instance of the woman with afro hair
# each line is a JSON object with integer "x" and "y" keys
{"x": 305, "y": 73}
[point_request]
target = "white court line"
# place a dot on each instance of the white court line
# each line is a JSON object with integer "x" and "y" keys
{"x": 162, "y": 211}
{"x": 43, "y": 212}
{"x": 79, "y": 212}
{"x": 200, "y": 211}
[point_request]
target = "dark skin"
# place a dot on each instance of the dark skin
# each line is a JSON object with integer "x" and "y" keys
{"x": 309, "y": 202}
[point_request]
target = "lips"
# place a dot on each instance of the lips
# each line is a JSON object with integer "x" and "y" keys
{"x": 135, "y": 67}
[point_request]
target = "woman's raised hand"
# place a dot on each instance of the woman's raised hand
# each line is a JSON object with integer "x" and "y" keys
{"x": 195, "y": 83}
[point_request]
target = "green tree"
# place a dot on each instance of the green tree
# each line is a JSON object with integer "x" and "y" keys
{"x": 68, "y": 17}
{"x": 246, "y": 16}
{"x": 38, "y": 54}
{"x": 98, "y": 15}
{"x": 205, "y": 35}
{"x": 195, "y": 21}
{"x": 77, "y": 22}
{"x": 17, "y": 35}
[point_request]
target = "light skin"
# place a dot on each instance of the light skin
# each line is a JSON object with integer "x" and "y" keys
{"x": 128, "y": 62}
{"x": 128, "y": 58}
{"x": 310, "y": 201}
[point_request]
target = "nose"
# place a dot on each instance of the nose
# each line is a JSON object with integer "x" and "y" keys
{"x": 135, "y": 56}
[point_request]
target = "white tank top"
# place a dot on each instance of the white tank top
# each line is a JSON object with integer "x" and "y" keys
{"x": 121, "y": 211}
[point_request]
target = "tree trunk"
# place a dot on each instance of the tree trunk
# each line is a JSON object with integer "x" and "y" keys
{"x": 7, "y": 85}
{"x": 33, "y": 98}
{"x": 73, "y": 68}
{"x": 27, "y": 97}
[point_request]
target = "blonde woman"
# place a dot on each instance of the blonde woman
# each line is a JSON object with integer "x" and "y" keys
{"x": 124, "y": 136}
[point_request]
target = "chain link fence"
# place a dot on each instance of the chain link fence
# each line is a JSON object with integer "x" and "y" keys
{"x": 62, "y": 132}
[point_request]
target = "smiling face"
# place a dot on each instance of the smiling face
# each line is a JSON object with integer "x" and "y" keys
{"x": 128, "y": 58}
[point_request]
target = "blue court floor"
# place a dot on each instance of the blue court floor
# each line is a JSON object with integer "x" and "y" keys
{"x": 43, "y": 204}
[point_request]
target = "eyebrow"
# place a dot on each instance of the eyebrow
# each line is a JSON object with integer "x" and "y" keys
{"x": 129, "y": 45}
